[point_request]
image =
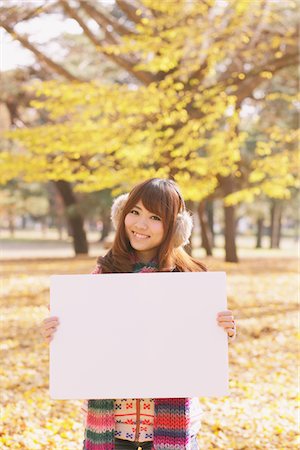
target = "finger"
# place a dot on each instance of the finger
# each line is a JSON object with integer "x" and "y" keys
{"x": 50, "y": 325}
{"x": 227, "y": 323}
{"x": 229, "y": 329}
{"x": 48, "y": 335}
{"x": 50, "y": 319}
{"x": 226, "y": 326}
{"x": 224, "y": 313}
{"x": 48, "y": 331}
{"x": 231, "y": 332}
{"x": 226, "y": 320}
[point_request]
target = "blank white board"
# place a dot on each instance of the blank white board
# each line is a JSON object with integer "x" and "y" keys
{"x": 144, "y": 335}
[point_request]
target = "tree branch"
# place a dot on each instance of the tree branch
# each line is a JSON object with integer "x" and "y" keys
{"x": 129, "y": 10}
{"x": 104, "y": 20}
{"x": 253, "y": 79}
{"x": 265, "y": 7}
{"x": 72, "y": 13}
{"x": 36, "y": 11}
{"x": 275, "y": 64}
{"x": 43, "y": 59}
{"x": 21, "y": 13}
{"x": 126, "y": 64}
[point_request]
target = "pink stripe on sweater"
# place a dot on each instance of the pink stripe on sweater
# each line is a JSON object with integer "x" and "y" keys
{"x": 169, "y": 421}
{"x": 100, "y": 422}
{"x": 164, "y": 441}
{"x": 90, "y": 446}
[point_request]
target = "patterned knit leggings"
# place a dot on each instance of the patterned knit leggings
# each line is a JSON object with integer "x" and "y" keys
{"x": 122, "y": 444}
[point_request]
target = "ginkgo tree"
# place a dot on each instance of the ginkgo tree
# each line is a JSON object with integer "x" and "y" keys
{"x": 191, "y": 67}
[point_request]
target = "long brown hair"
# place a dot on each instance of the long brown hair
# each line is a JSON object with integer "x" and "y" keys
{"x": 161, "y": 197}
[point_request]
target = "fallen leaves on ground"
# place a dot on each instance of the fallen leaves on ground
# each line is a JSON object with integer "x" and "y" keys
{"x": 260, "y": 412}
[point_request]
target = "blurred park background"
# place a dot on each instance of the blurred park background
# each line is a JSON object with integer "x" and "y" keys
{"x": 97, "y": 95}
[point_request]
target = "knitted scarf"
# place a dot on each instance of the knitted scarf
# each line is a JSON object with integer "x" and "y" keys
{"x": 171, "y": 415}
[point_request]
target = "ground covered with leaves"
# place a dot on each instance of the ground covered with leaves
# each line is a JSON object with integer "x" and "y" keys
{"x": 260, "y": 412}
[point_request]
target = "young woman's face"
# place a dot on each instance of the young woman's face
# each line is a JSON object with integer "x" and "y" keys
{"x": 144, "y": 230}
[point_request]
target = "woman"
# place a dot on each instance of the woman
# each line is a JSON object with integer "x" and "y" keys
{"x": 152, "y": 227}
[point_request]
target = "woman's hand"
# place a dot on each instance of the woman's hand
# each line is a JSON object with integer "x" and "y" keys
{"x": 48, "y": 328}
{"x": 225, "y": 319}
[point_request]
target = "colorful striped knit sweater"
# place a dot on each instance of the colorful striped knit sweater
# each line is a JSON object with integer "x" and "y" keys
{"x": 171, "y": 415}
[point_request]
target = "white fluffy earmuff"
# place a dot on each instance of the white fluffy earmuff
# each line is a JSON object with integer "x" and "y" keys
{"x": 117, "y": 208}
{"x": 183, "y": 227}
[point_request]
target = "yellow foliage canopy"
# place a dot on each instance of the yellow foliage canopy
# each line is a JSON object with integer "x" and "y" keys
{"x": 184, "y": 124}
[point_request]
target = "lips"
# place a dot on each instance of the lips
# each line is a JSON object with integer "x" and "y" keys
{"x": 139, "y": 235}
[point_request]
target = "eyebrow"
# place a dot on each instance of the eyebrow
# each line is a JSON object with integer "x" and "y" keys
{"x": 138, "y": 207}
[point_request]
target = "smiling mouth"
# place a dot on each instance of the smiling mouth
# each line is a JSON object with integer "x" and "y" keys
{"x": 140, "y": 236}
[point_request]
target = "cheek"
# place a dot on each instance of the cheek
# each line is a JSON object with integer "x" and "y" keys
{"x": 128, "y": 221}
{"x": 158, "y": 229}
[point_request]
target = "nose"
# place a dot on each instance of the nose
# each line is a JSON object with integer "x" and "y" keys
{"x": 141, "y": 224}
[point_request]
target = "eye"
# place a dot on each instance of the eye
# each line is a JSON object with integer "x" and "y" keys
{"x": 134, "y": 211}
{"x": 156, "y": 218}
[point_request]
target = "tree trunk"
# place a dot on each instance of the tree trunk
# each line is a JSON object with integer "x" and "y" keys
{"x": 210, "y": 217}
{"x": 59, "y": 226}
{"x": 106, "y": 225}
{"x": 275, "y": 229}
{"x": 206, "y": 234}
{"x": 44, "y": 227}
{"x": 74, "y": 218}
{"x": 259, "y": 232}
{"x": 189, "y": 247}
{"x": 279, "y": 227}
{"x": 227, "y": 186}
{"x": 230, "y": 235}
{"x": 24, "y": 222}
{"x": 11, "y": 224}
